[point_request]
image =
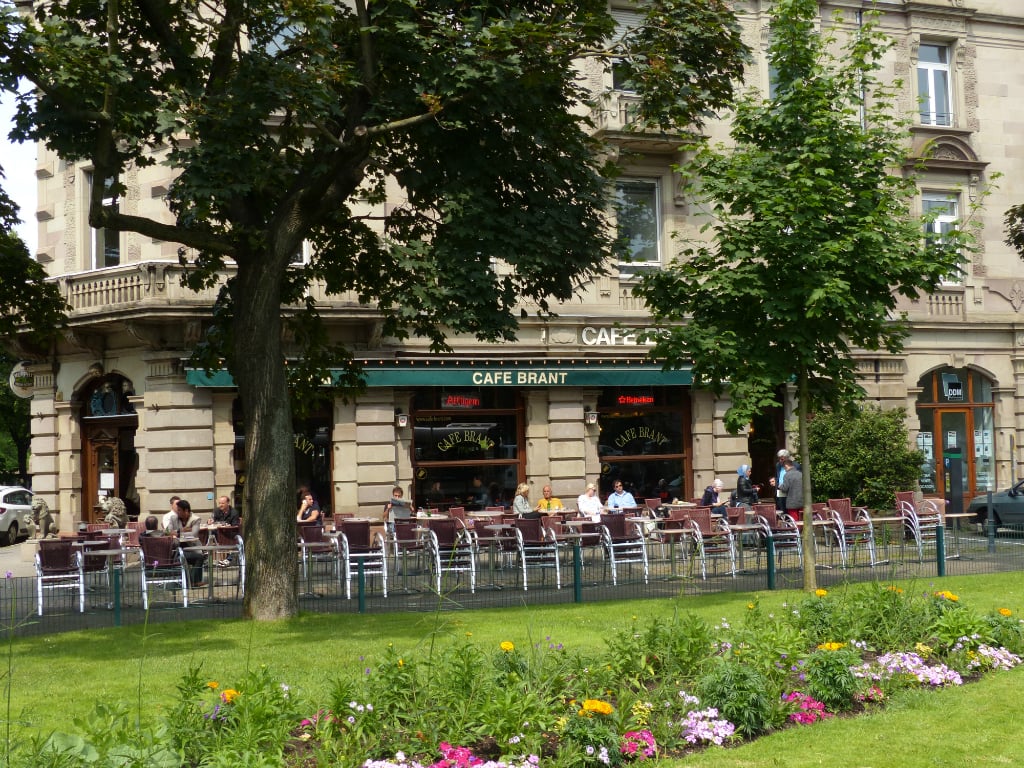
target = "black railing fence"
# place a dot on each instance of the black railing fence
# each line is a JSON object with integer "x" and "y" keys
{"x": 673, "y": 569}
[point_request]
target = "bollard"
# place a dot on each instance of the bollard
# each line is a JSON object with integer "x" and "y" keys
{"x": 117, "y": 596}
{"x": 990, "y": 523}
{"x": 940, "y": 549}
{"x": 769, "y": 550}
{"x": 577, "y": 572}
{"x": 362, "y": 587}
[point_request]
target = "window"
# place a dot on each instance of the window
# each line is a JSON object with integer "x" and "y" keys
{"x": 638, "y": 220}
{"x": 933, "y": 85}
{"x": 626, "y": 24}
{"x": 943, "y": 212}
{"x": 106, "y": 245}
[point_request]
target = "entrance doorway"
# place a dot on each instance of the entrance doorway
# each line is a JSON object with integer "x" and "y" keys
{"x": 956, "y": 413}
{"x": 109, "y": 459}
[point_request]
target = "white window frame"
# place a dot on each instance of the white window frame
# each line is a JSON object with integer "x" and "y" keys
{"x": 943, "y": 223}
{"x": 654, "y": 186}
{"x": 98, "y": 238}
{"x": 930, "y": 77}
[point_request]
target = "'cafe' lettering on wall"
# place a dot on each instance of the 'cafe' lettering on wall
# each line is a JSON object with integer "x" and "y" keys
{"x": 647, "y": 434}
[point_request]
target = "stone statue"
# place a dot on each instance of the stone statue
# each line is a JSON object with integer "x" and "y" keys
{"x": 41, "y": 523}
{"x": 116, "y": 514}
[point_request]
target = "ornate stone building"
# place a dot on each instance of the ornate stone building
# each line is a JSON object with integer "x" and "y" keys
{"x": 116, "y": 410}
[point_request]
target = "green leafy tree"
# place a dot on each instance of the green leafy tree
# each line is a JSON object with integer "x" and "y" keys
{"x": 15, "y": 431}
{"x": 813, "y": 239}
{"x": 862, "y": 453}
{"x": 283, "y": 121}
{"x": 30, "y": 308}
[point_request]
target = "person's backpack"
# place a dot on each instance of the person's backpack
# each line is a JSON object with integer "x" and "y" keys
{"x": 734, "y": 498}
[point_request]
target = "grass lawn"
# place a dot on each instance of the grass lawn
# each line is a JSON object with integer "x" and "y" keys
{"x": 60, "y": 677}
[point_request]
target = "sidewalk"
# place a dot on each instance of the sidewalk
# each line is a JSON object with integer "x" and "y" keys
{"x": 18, "y": 560}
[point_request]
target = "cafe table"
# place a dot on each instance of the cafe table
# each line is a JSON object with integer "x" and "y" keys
{"x": 212, "y": 550}
{"x": 741, "y": 529}
{"x": 956, "y": 517}
{"x": 500, "y": 531}
{"x": 103, "y": 549}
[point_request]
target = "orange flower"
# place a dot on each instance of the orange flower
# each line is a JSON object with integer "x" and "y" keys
{"x": 213, "y": 685}
{"x": 228, "y": 695}
{"x": 1005, "y": 612}
{"x": 597, "y": 707}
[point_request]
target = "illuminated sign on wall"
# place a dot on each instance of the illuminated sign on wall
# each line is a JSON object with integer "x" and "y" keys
{"x": 460, "y": 400}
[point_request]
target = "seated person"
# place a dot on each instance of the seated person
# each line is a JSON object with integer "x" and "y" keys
{"x": 713, "y": 498}
{"x": 182, "y": 523}
{"x": 225, "y": 513}
{"x": 619, "y": 498}
{"x": 521, "y": 504}
{"x": 309, "y": 510}
{"x": 589, "y": 503}
{"x": 152, "y": 526}
{"x": 549, "y": 503}
{"x": 397, "y": 507}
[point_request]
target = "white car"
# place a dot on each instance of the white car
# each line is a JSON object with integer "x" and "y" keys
{"x": 15, "y": 508}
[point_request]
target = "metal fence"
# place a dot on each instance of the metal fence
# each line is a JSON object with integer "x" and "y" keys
{"x": 673, "y": 571}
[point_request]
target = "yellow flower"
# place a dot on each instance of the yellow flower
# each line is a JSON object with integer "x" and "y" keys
{"x": 469, "y": 634}
{"x": 897, "y": 590}
{"x": 507, "y": 646}
{"x": 213, "y": 685}
{"x": 596, "y": 706}
{"x": 401, "y": 663}
{"x": 228, "y": 695}
{"x": 820, "y": 592}
{"x": 947, "y": 595}
{"x": 1005, "y": 612}
{"x": 750, "y": 606}
{"x": 924, "y": 651}
{"x": 831, "y": 646}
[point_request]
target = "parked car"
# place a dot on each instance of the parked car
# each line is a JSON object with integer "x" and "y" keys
{"x": 15, "y": 507}
{"x": 1007, "y": 506}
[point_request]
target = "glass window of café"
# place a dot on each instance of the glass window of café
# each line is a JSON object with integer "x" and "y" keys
{"x": 645, "y": 441}
{"x": 312, "y": 440}
{"x": 466, "y": 447}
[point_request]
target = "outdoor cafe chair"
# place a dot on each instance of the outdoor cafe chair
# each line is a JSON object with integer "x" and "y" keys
{"x": 537, "y": 548}
{"x": 853, "y": 530}
{"x": 450, "y": 550}
{"x": 922, "y": 520}
{"x": 781, "y": 529}
{"x": 711, "y": 539}
{"x": 58, "y": 567}
{"x": 361, "y": 547}
{"x": 163, "y": 565}
{"x": 624, "y": 544}
{"x": 313, "y": 548}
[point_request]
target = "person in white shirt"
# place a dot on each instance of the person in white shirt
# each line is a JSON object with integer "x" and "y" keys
{"x": 618, "y": 498}
{"x": 589, "y": 503}
{"x": 168, "y": 519}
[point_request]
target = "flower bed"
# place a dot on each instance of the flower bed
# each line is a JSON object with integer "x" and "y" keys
{"x": 658, "y": 690}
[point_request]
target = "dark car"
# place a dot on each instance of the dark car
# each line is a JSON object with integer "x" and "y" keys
{"x": 1007, "y": 506}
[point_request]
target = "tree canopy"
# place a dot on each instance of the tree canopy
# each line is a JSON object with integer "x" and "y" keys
{"x": 286, "y": 123}
{"x": 811, "y": 233}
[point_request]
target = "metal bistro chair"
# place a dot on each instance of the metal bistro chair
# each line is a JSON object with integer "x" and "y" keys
{"x": 782, "y": 530}
{"x": 361, "y": 547}
{"x": 853, "y": 530}
{"x": 58, "y": 567}
{"x": 406, "y": 541}
{"x": 921, "y": 520}
{"x": 313, "y": 548}
{"x": 624, "y": 544}
{"x": 450, "y": 550}
{"x": 537, "y": 548}
{"x": 711, "y": 539}
{"x": 163, "y": 564}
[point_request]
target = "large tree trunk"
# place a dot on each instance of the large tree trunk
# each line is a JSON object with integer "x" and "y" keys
{"x": 807, "y": 542}
{"x": 259, "y": 372}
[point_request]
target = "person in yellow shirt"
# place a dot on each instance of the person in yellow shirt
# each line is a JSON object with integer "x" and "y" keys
{"x": 549, "y": 503}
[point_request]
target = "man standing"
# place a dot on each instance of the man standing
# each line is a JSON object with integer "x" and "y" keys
{"x": 225, "y": 513}
{"x": 792, "y": 489}
{"x": 619, "y": 499}
{"x": 780, "y": 475}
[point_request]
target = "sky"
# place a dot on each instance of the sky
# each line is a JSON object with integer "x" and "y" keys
{"x": 19, "y": 165}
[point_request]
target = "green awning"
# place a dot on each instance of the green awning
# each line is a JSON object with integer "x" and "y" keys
{"x": 442, "y": 372}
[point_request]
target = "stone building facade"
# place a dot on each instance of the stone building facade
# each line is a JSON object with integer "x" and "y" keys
{"x": 117, "y": 411}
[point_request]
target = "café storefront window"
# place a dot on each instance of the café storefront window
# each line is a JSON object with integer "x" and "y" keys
{"x": 645, "y": 441}
{"x": 466, "y": 447}
{"x": 312, "y": 441}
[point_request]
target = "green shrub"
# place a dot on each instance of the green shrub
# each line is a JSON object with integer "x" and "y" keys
{"x": 741, "y": 695}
